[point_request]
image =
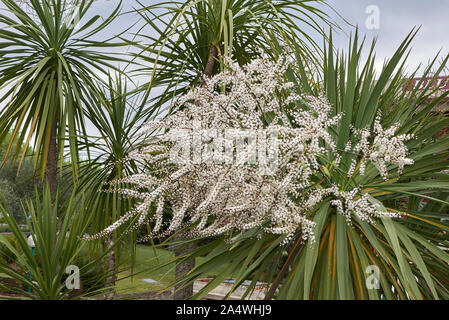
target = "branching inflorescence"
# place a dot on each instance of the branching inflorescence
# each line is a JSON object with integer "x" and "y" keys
{"x": 244, "y": 151}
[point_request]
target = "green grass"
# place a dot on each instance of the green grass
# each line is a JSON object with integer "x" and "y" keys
{"x": 152, "y": 263}
{"x": 149, "y": 264}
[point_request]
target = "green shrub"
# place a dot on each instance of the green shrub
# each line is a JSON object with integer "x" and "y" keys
{"x": 6, "y": 255}
{"x": 92, "y": 276}
{"x": 58, "y": 243}
{"x": 4, "y": 228}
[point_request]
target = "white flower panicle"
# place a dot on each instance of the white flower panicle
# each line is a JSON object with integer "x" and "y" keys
{"x": 243, "y": 152}
{"x": 349, "y": 203}
{"x": 388, "y": 148}
{"x": 385, "y": 149}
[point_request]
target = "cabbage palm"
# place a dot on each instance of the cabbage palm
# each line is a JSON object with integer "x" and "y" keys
{"x": 182, "y": 41}
{"x": 58, "y": 245}
{"x": 48, "y": 70}
{"x": 410, "y": 252}
{"x": 116, "y": 116}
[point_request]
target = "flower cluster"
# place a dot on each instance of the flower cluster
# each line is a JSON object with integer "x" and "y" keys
{"x": 349, "y": 203}
{"x": 264, "y": 174}
{"x": 385, "y": 149}
{"x": 388, "y": 148}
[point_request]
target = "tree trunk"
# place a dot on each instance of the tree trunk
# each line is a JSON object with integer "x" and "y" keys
{"x": 51, "y": 169}
{"x": 291, "y": 256}
{"x": 213, "y": 53}
{"x": 110, "y": 268}
{"x": 182, "y": 268}
{"x": 183, "y": 293}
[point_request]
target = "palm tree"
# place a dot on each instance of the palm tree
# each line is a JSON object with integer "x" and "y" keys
{"x": 182, "y": 41}
{"x": 48, "y": 69}
{"x": 410, "y": 254}
{"x": 186, "y": 39}
{"x": 117, "y": 117}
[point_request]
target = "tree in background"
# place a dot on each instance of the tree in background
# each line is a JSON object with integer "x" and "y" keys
{"x": 51, "y": 69}
{"x": 17, "y": 186}
{"x": 117, "y": 116}
{"x": 48, "y": 69}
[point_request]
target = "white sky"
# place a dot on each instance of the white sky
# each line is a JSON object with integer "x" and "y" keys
{"x": 396, "y": 19}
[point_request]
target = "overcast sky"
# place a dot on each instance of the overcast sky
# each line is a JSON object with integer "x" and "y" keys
{"x": 387, "y": 20}
{"x": 395, "y": 20}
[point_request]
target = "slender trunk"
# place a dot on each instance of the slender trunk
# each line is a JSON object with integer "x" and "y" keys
{"x": 110, "y": 261}
{"x": 183, "y": 292}
{"x": 213, "y": 53}
{"x": 51, "y": 169}
{"x": 291, "y": 257}
{"x": 182, "y": 268}
{"x": 110, "y": 268}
